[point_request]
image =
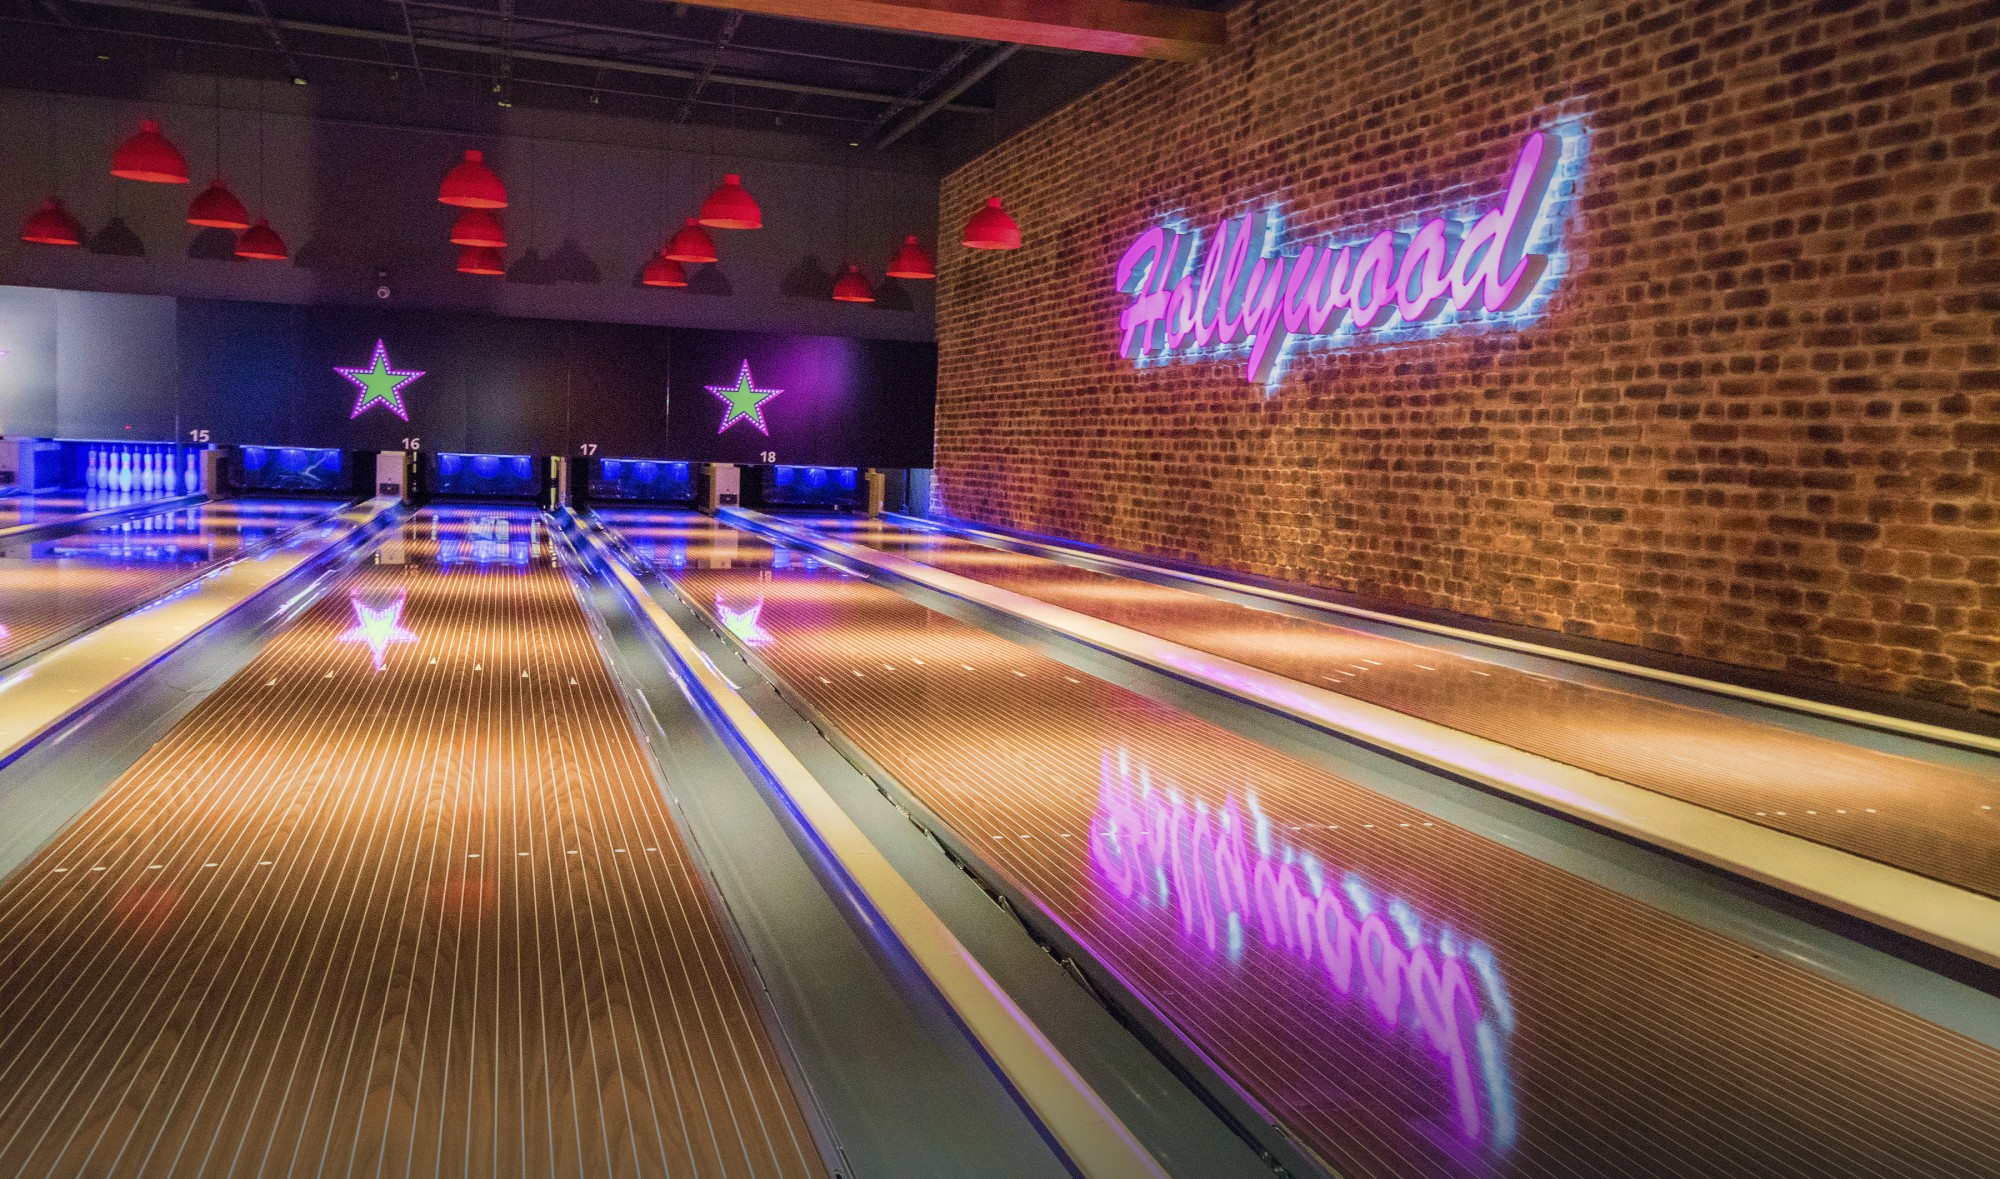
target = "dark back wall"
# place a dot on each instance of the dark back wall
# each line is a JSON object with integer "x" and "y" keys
{"x": 1758, "y": 419}
{"x": 89, "y": 365}
{"x": 590, "y": 197}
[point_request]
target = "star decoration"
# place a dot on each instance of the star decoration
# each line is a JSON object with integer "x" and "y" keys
{"x": 745, "y": 403}
{"x": 378, "y": 629}
{"x": 379, "y": 384}
{"x": 744, "y": 624}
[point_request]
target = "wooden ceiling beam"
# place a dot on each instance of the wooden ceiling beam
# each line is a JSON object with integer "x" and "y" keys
{"x": 1125, "y": 28}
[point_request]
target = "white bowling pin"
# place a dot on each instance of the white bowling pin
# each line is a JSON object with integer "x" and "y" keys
{"x": 89, "y": 467}
{"x": 144, "y": 476}
{"x": 171, "y": 473}
{"x": 194, "y": 471}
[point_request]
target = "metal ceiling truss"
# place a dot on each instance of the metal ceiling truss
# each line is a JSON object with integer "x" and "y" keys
{"x": 507, "y": 50}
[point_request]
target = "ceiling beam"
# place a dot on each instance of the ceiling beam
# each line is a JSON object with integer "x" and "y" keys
{"x": 610, "y": 64}
{"x": 1125, "y": 28}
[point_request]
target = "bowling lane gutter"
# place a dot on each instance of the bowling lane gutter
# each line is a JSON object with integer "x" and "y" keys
{"x": 1096, "y": 1142}
{"x": 45, "y": 694}
{"x": 67, "y": 525}
{"x": 1229, "y": 589}
{"x": 1950, "y": 918}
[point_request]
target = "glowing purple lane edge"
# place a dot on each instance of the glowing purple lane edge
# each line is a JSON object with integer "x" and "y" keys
{"x": 1244, "y": 292}
{"x": 1229, "y": 878}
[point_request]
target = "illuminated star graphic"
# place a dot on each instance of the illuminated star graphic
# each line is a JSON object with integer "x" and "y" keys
{"x": 744, "y": 624}
{"x": 745, "y": 403}
{"x": 378, "y": 629}
{"x": 379, "y": 384}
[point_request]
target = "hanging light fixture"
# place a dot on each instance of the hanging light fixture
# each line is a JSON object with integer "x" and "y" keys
{"x": 473, "y": 185}
{"x": 52, "y": 225}
{"x": 148, "y": 156}
{"x": 731, "y": 206}
{"x": 663, "y": 271}
{"x": 911, "y": 261}
{"x": 261, "y": 242}
{"x": 852, "y": 286}
{"x": 481, "y": 260}
{"x": 992, "y": 229}
{"x": 478, "y": 227}
{"x": 690, "y": 244}
{"x": 218, "y": 208}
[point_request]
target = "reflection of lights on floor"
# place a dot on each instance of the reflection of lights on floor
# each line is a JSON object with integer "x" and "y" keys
{"x": 745, "y": 624}
{"x": 378, "y": 629}
{"x": 1232, "y": 883}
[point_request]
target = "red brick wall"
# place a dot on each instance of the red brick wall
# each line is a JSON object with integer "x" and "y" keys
{"x": 1759, "y": 421}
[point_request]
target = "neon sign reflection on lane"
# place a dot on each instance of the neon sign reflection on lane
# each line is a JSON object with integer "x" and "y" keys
{"x": 1242, "y": 293}
{"x": 1233, "y": 883}
{"x": 377, "y": 629}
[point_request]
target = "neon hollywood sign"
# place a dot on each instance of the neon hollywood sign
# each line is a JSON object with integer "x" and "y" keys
{"x": 1243, "y": 294}
{"x": 1232, "y": 882}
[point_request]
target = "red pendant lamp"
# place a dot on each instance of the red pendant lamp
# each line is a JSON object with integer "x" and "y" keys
{"x": 473, "y": 185}
{"x": 479, "y": 227}
{"x": 481, "y": 260}
{"x": 992, "y": 229}
{"x": 218, "y": 208}
{"x": 148, "y": 156}
{"x": 852, "y": 286}
{"x": 261, "y": 242}
{"x": 663, "y": 271}
{"x": 911, "y": 261}
{"x": 731, "y": 206}
{"x": 52, "y": 225}
{"x": 690, "y": 244}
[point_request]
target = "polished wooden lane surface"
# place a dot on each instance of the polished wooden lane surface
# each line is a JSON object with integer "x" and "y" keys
{"x": 1407, "y": 998}
{"x": 50, "y": 507}
{"x": 402, "y": 897}
{"x": 1930, "y": 819}
{"x": 49, "y": 587}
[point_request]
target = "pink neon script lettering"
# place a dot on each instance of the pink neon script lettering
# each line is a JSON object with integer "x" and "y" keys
{"x": 1243, "y": 291}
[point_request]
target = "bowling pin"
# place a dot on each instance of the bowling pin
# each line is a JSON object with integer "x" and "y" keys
{"x": 143, "y": 477}
{"x": 172, "y": 474}
{"x": 194, "y": 471}
{"x": 89, "y": 468}
{"x": 124, "y": 470}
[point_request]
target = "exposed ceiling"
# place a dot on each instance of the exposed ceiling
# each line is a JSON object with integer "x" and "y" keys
{"x": 864, "y": 86}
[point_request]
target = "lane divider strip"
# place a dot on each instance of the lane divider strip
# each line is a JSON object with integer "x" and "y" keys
{"x": 1854, "y": 716}
{"x": 39, "y": 694}
{"x": 1943, "y": 915}
{"x": 1096, "y": 1142}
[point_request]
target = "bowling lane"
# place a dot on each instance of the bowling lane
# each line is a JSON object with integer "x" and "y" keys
{"x": 49, "y": 588}
{"x": 1404, "y": 997}
{"x": 401, "y": 897}
{"x": 53, "y": 507}
{"x": 1935, "y": 820}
